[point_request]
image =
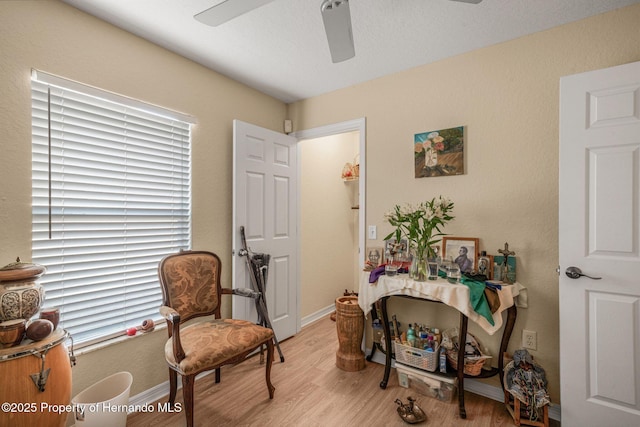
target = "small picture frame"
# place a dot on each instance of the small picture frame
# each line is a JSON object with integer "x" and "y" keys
{"x": 374, "y": 258}
{"x": 391, "y": 247}
{"x": 485, "y": 266}
{"x": 463, "y": 251}
{"x": 511, "y": 274}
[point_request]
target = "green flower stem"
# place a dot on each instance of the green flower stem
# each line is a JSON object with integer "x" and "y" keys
{"x": 421, "y": 224}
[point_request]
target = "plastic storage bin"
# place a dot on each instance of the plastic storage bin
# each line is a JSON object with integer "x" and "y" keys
{"x": 432, "y": 385}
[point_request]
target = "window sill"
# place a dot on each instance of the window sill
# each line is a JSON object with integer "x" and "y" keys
{"x": 85, "y": 349}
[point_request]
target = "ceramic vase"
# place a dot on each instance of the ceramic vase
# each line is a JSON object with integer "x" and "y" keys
{"x": 20, "y": 300}
{"x": 21, "y": 296}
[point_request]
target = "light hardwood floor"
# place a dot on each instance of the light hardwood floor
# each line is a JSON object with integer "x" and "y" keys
{"x": 312, "y": 391}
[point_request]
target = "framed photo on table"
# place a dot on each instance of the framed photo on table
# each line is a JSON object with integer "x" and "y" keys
{"x": 511, "y": 262}
{"x": 485, "y": 266}
{"x": 390, "y": 246}
{"x": 375, "y": 257}
{"x": 463, "y": 251}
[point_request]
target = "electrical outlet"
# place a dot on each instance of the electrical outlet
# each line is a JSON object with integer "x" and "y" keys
{"x": 529, "y": 339}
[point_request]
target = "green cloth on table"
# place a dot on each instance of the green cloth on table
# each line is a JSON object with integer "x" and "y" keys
{"x": 477, "y": 298}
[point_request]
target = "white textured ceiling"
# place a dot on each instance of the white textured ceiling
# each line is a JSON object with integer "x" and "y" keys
{"x": 281, "y": 49}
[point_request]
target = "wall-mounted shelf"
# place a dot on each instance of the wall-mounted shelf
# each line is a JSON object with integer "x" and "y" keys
{"x": 354, "y": 196}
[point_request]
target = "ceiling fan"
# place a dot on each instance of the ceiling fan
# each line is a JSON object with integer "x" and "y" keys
{"x": 335, "y": 15}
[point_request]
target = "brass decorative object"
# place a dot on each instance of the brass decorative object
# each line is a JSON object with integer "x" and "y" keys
{"x": 410, "y": 413}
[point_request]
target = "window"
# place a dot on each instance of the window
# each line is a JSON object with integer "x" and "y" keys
{"x": 111, "y": 196}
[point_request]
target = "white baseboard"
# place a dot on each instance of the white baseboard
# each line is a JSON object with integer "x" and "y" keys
{"x": 477, "y": 387}
{"x": 314, "y": 317}
{"x": 151, "y": 395}
{"x": 158, "y": 392}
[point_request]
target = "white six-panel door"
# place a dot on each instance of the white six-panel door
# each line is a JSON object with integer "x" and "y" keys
{"x": 265, "y": 203}
{"x": 599, "y": 232}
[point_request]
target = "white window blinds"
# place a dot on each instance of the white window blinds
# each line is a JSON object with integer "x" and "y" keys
{"x": 111, "y": 196}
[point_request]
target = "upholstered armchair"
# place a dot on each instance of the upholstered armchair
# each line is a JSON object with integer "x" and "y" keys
{"x": 191, "y": 288}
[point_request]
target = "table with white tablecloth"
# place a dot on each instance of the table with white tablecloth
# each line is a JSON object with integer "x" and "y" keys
{"x": 453, "y": 295}
{"x": 464, "y": 298}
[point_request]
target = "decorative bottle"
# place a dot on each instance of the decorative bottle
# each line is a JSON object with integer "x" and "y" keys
{"x": 411, "y": 336}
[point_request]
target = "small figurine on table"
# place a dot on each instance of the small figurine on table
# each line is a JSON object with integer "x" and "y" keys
{"x": 505, "y": 266}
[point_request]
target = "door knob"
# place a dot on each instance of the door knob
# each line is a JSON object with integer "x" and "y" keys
{"x": 576, "y": 273}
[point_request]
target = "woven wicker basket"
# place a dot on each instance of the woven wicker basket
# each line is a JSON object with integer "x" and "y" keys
{"x": 427, "y": 360}
{"x": 472, "y": 366}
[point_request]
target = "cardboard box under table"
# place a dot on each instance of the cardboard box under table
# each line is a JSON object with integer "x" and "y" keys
{"x": 432, "y": 385}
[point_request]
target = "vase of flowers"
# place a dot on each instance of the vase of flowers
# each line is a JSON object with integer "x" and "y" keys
{"x": 421, "y": 225}
{"x": 419, "y": 269}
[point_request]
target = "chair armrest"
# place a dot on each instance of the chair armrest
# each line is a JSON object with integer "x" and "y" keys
{"x": 173, "y": 326}
{"x": 243, "y": 292}
{"x": 170, "y": 314}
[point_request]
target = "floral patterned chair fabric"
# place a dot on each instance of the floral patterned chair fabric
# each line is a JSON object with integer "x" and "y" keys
{"x": 191, "y": 288}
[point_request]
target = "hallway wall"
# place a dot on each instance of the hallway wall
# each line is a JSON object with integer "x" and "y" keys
{"x": 328, "y": 225}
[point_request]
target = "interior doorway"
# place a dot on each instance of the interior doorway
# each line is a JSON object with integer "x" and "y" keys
{"x": 331, "y": 216}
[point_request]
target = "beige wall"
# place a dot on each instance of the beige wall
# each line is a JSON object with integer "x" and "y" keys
{"x": 505, "y": 95}
{"x": 61, "y": 40}
{"x": 507, "y": 98}
{"x": 329, "y": 227}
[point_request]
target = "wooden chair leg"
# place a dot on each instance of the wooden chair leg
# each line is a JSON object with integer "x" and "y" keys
{"x": 173, "y": 386}
{"x": 514, "y": 406}
{"x": 545, "y": 415}
{"x": 268, "y": 368}
{"x": 187, "y": 393}
{"x": 516, "y": 410}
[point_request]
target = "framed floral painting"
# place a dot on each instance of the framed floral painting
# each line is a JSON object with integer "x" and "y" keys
{"x": 439, "y": 152}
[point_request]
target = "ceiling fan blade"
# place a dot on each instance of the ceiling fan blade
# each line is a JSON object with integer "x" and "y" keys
{"x": 469, "y": 1}
{"x": 337, "y": 24}
{"x": 227, "y": 10}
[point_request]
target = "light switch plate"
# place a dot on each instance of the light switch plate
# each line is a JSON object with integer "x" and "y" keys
{"x": 373, "y": 232}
